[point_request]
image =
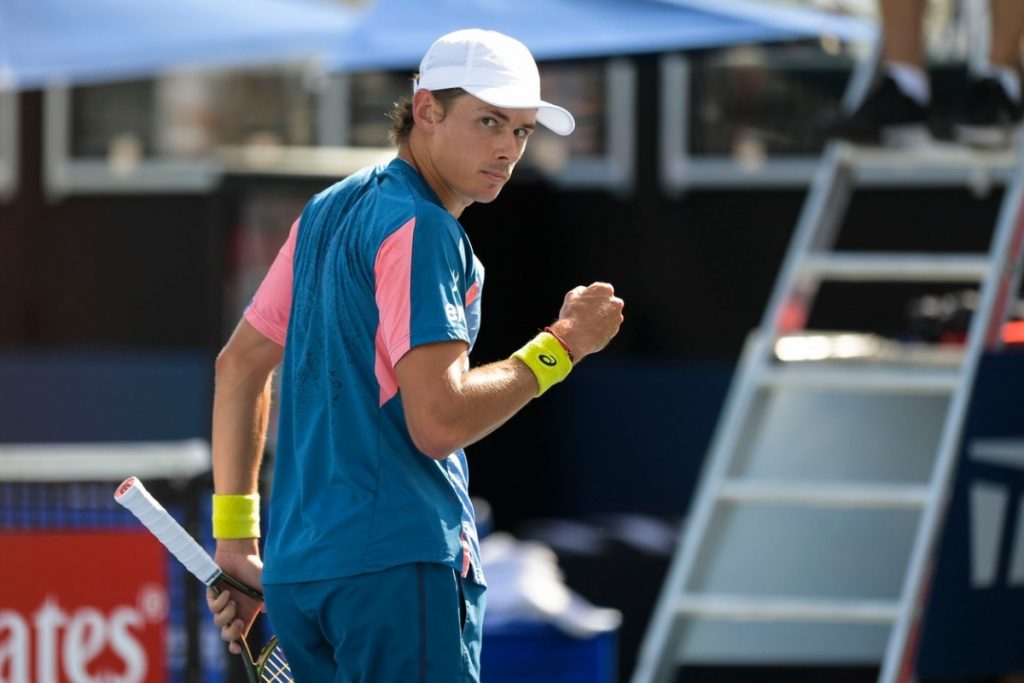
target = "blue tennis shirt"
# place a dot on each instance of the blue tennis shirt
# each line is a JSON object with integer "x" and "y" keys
{"x": 379, "y": 267}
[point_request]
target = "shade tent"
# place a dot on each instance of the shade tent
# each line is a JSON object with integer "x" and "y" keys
{"x": 800, "y": 20}
{"x": 394, "y": 34}
{"x": 71, "y": 41}
{"x": 67, "y": 41}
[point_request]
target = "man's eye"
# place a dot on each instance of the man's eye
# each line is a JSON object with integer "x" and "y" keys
{"x": 488, "y": 121}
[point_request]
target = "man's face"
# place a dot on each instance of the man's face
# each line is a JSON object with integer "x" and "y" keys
{"x": 476, "y": 146}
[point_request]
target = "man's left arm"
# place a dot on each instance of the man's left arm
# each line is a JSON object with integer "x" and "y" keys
{"x": 447, "y": 407}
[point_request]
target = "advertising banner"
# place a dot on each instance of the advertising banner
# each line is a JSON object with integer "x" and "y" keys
{"x": 82, "y": 607}
{"x": 974, "y": 616}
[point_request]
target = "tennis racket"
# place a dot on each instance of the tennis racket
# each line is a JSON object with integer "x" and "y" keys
{"x": 270, "y": 664}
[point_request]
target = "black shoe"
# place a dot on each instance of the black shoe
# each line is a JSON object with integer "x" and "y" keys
{"x": 886, "y": 116}
{"x": 988, "y": 118}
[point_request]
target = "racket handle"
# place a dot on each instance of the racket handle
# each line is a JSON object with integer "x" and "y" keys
{"x": 134, "y": 496}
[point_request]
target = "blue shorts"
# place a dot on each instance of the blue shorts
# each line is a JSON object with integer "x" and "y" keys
{"x": 414, "y": 623}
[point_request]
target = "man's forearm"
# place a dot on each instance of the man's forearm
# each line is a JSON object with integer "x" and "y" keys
{"x": 241, "y": 409}
{"x": 487, "y": 396}
{"x": 447, "y": 407}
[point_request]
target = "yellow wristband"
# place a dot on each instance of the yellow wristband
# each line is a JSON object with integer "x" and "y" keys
{"x": 547, "y": 359}
{"x": 236, "y": 516}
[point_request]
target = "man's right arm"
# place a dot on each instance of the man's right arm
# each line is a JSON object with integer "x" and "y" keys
{"x": 241, "y": 409}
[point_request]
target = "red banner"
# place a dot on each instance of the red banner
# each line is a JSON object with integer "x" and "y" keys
{"x": 79, "y": 607}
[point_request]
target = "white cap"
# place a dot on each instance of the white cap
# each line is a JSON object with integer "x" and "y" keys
{"x": 491, "y": 67}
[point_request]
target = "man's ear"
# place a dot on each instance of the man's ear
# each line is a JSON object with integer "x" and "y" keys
{"x": 426, "y": 110}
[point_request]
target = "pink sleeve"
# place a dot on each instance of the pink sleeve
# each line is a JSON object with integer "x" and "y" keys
{"x": 269, "y": 309}
{"x": 392, "y": 277}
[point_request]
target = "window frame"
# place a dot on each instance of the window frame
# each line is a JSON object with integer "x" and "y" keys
{"x": 616, "y": 168}
{"x": 10, "y": 150}
{"x": 64, "y": 175}
{"x": 679, "y": 171}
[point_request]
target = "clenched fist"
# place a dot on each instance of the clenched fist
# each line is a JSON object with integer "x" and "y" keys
{"x": 589, "y": 319}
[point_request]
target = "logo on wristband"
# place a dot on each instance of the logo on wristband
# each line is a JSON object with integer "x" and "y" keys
{"x": 547, "y": 360}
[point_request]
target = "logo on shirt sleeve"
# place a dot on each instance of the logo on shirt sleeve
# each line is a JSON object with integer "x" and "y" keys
{"x": 456, "y": 314}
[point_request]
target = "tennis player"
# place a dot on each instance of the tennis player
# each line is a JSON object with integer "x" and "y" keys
{"x": 371, "y": 307}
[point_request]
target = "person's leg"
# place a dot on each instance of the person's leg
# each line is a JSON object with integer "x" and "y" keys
{"x": 475, "y": 599}
{"x": 1007, "y": 29}
{"x": 902, "y": 33}
{"x": 992, "y": 109}
{"x": 292, "y": 611}
{"x": 894, "y": 111}
{"x": 903, "y": 47}
{"x": 1004, "y": 53}
{"x": 400, "y": 625}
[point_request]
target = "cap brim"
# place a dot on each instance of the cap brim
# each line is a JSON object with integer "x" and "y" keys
{"x": 555, "y": 118}
{"x": 551, "y": 116}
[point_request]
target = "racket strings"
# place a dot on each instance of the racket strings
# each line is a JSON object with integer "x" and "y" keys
{"x": 275, "y": 667}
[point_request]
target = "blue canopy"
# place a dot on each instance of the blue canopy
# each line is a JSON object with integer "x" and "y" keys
{"x": 85, "y": 41}
{"x": 394, "y": 34}
{"x": 88, "y": 41}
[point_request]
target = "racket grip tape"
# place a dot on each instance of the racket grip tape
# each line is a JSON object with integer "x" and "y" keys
{"x": 133, "y": 495}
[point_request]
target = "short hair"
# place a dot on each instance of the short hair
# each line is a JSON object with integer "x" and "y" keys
{"x": 401, "y": 113}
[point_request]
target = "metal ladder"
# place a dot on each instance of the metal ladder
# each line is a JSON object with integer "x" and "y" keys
{"x": 812, "y": 528}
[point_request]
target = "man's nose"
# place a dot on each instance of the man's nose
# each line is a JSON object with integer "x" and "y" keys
{"x": 510, "y": 147}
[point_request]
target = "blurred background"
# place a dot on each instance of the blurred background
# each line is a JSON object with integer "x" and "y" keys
{"x": 152, "y": 161}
